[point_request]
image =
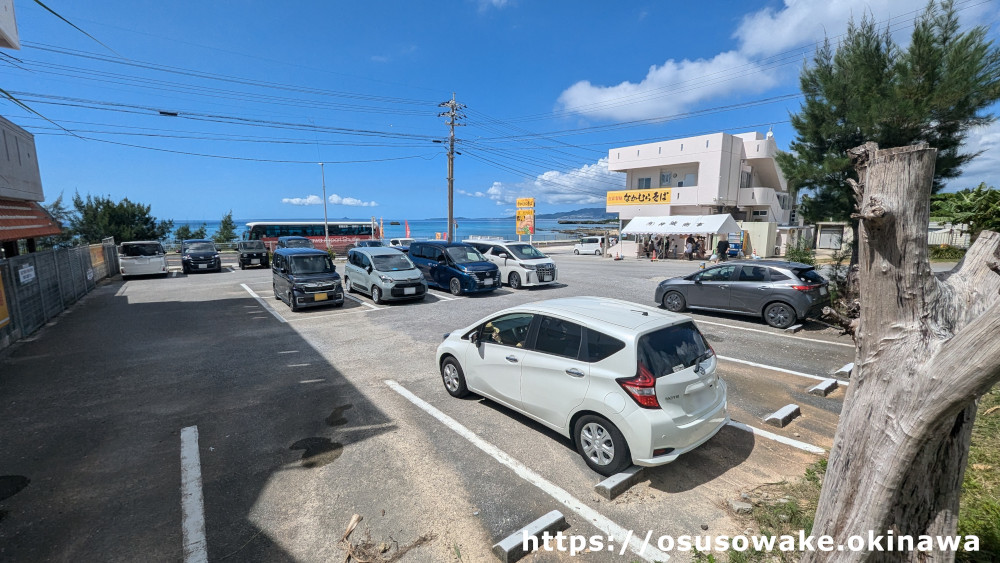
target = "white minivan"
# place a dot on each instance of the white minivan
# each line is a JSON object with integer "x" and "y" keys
{"x": 521, "y": 264}
{"x": 589, "y": 245}
{"x": 629, "y": 384}
{"x": 142, "y": 258}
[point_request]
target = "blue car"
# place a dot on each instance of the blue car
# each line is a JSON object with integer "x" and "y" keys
{"x": 457, "y": 267}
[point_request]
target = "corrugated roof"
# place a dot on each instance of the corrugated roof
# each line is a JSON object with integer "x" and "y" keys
{"x": 25, "y": 219}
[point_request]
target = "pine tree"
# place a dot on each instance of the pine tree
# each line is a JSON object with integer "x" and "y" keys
{"x": 227, "y": 229}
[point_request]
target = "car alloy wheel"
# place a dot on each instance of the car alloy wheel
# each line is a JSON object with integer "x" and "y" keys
{"x": 779, "y": 315}
{"x": 376, "y": 295}
{"x": 454, "y": 378}
{"x": 602, "y": 445}
{"x": 597, "y": 253}
{"x": 291, "y": 302}
{"x": 514, "y": 280}
{"x": 347, "y": 285}
{"x": 455, "y": 286}
{"x": 673, "y": 302}
{"x": 576, "y": 251}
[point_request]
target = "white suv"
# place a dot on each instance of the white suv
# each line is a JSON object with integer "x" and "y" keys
{"x": 521, "y": 265}
{"x": 628, "y": 383}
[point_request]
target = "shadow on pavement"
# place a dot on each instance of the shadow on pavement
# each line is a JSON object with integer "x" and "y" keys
{"x": 93, "y": 410}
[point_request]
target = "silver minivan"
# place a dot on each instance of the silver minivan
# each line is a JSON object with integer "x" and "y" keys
{"x": 384, "y": 273}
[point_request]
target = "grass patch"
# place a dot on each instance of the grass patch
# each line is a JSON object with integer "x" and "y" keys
{"x": 785, "y": 508}
{"x": 979, "y": 514}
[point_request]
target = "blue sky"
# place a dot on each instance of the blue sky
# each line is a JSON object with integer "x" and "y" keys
{"x": 264, "y": 91}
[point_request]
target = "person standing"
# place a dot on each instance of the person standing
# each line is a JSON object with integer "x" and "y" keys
{"x": 722, "y": 249}
{"x": 689, "y": 247}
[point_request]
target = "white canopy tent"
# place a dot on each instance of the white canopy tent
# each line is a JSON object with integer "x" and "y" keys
{"x": 682, "y": 225}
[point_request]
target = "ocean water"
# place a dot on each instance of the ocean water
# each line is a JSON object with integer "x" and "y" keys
{"x": 427, "y": 228}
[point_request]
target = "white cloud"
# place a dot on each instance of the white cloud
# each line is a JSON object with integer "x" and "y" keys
{"x": 676, "y": 86}
{"x": 670, "y": 88}
{"x": 498, "y": 4}
{"x": 308, "y": 200}
{"x": 471, "y": 194}
{"x": 581, "y": 186}
{"x": 986, "y": 167}
{"x": 350, "y": 201}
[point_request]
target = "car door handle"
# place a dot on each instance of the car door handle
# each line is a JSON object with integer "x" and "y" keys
{"x": 574, "y": 372}
{"x": 512, "y": 359}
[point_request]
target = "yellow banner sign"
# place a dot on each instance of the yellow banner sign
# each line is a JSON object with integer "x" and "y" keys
{"x": 525, "y": 202}
{"x": 525, "y": 222}
{"x": 639, "y": 197}
{"x": 4, "y": 314}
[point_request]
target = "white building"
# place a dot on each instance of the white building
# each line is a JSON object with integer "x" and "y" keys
{"x": 706, "y": 175}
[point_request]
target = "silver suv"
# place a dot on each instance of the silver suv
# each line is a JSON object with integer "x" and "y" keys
{"x": 384, "y": 273}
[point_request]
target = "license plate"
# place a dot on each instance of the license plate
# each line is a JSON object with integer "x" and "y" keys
{"x": 202, "y": 266}
{"x": 409, "y": 291}
{"x": 319, "y": 297}
{"x": 822, "y": 291}
{"x": 255, "y": 261}
{"x": 546, "y": 278}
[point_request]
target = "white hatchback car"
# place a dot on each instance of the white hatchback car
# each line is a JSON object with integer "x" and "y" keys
{"x": 629, "y": 384}
{"x": 521, "y": 264}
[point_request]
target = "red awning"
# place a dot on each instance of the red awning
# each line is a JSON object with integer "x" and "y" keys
{"x": 25, "y": 219}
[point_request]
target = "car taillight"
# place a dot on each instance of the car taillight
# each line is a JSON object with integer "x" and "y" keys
{"x": 805, "y": 287}
{"x": 642, "y": 388}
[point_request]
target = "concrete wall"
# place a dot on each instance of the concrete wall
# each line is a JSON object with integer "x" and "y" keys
{"x": 19, "y": 174}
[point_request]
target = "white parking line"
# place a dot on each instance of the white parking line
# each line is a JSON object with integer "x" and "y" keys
{"x": 445, "y": 298}
{"x": 192, "y": 503}
{"x": 262, "y": 303}
{"x": 778, "y": 438}
{"x": 366, "y": 304}
{"x": 598, "y": 520}
{"x": 782, "y": 370}
{"x": 702, "y": 322}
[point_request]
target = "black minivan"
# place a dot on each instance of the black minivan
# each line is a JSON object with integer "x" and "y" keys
{"x": 457, "y": 267}
{"x": 305, "y": 277}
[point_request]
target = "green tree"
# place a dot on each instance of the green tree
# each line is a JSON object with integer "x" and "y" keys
{"x": 100, "y": 217}
{"x": 227, "y": 229}
{"x": 200, "y": 232}
{"x": 182, "y": 233}
{"x": 869, "y": 89}
{"x": 62, "y": 215}
{"x": 978, "y": 208}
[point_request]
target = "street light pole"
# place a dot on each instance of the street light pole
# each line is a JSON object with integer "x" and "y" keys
{"x": 326, "y": 224}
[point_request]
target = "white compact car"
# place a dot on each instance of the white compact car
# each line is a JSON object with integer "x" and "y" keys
{"x": 629, "y": 384}
{"x": 142, "y": 258}
{"x": 589, "y": 245}
{"x": 521, "y": 265}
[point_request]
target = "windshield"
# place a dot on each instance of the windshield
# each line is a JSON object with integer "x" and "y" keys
{"x": 317, "y": 264}
{"x": 298, "y": 243}
{"x": 252, "y": 245}
{"x": 200, "y": 247}
{"x": 526, "y": 252}
{"x": 464, "y": 254}
{"x": 392, "y": 263}
{"x": 151, "y": 249}
{"x": 402, "y": 241}
{"x": 672, "y": 349}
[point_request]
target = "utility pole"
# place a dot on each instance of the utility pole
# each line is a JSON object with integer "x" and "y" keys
{"x": 326, "y": 224}
{"x": 452, "y": 114}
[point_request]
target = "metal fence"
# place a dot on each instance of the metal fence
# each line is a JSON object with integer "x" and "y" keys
{"x": 40, "y": 285}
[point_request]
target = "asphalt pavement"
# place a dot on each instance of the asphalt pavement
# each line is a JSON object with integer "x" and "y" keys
{"x": 292, "y": 428}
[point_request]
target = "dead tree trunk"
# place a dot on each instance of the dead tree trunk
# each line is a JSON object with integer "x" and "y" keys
{"x": 928, "y": 346}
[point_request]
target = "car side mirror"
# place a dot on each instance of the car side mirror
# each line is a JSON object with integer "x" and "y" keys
{"x": 442, "y": 261}
{"x": 283, "y": 270}
{"x": 369, "y": 268}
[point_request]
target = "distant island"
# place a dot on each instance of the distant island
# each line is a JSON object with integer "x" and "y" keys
{"x": 586, "y": 215}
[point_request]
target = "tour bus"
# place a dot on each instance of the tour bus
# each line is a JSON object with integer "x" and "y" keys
{"x": 343, "y": 234}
